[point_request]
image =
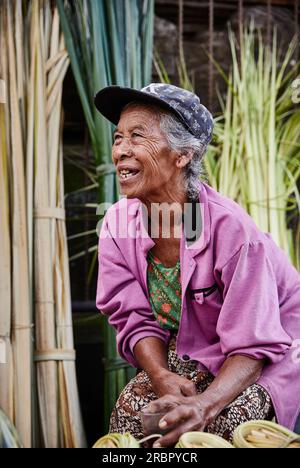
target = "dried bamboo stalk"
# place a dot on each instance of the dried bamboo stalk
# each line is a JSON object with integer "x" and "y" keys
{"x": 6, "y": 368}
{"x": 71, "y": 415}
{"x": 72, "y": 428}
{"x": 43, "y": 279}
{"x": 66, "y": 423}
{"x": 21, "y": 324}
{"x": 6, "y": 363}
{"x": 2, "y": 92}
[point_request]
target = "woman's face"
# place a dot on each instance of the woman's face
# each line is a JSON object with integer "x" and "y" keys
{"x": 146, "y": 167}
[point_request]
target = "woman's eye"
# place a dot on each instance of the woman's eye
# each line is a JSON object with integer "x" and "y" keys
{"x": 116, "y": 137}
{"x": 137, "y": 135}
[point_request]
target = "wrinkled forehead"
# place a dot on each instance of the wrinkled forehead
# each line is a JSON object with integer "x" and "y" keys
{"x": 142, "y": 114}
{"x": 145, "y": 109}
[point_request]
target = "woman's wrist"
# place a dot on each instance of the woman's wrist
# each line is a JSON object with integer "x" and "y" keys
{"x": 157, "y": 372}
{"x": 151, "y": 355}
{"x": 211, "y": 403}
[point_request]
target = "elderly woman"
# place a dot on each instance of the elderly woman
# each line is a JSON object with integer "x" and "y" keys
{"x": 208, "y": 316}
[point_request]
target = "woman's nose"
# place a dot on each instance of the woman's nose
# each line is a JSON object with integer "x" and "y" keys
{"x": 124, "y": 148}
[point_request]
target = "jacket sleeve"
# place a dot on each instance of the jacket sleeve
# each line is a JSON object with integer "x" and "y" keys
{"x": 120, "y": 296}
{"x": 249, "y": 321}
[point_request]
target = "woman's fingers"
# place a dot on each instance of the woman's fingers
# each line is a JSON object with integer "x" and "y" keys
{"x": 177, "y": 415}
{"x": 188, "y": 389}
{"x": 180, "y": 420}
{"x": 164, "y": 403}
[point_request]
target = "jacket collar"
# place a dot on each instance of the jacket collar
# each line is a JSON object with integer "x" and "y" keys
{"x": 203, "y": 238}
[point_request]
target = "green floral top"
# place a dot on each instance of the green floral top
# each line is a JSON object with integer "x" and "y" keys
{"x": 165, "y": 292}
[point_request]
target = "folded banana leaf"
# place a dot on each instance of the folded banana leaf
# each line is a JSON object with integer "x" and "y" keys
{"x": 8, "y": 435}
{"x": 264, "y": 434}
{"x": 115, "y": 440}
{"x": 202, "y": 440}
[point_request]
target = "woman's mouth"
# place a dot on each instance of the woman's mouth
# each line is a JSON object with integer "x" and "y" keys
{"x": 126, "y": 175}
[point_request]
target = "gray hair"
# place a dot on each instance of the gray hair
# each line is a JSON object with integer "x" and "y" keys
{"x": 181, "y": 141}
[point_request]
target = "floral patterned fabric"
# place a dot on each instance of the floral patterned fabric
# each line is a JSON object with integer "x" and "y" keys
{"x": 165, "y": 292}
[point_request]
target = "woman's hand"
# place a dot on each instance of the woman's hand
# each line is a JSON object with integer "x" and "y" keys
{"x": 166, "y": 382}
{"x": 194, "y": 413}
{"x": 184, "y": 414}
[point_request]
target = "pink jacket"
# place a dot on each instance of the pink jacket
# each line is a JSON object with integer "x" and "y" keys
{"x": 240, "y": 294}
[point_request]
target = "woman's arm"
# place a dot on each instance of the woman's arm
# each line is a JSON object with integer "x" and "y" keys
{"x": 121, "y": 296}
{"x": 151, "y": 354}
{"x": 236, "y": 374}
{"x": 196, "y": 412}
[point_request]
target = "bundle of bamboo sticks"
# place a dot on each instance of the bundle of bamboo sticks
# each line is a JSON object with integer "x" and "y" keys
{"x": 15, "y": 292}
{"x": 33, "y": 64}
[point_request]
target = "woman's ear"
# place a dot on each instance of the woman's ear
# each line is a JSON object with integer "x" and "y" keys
{"x": 184, "y": 158}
